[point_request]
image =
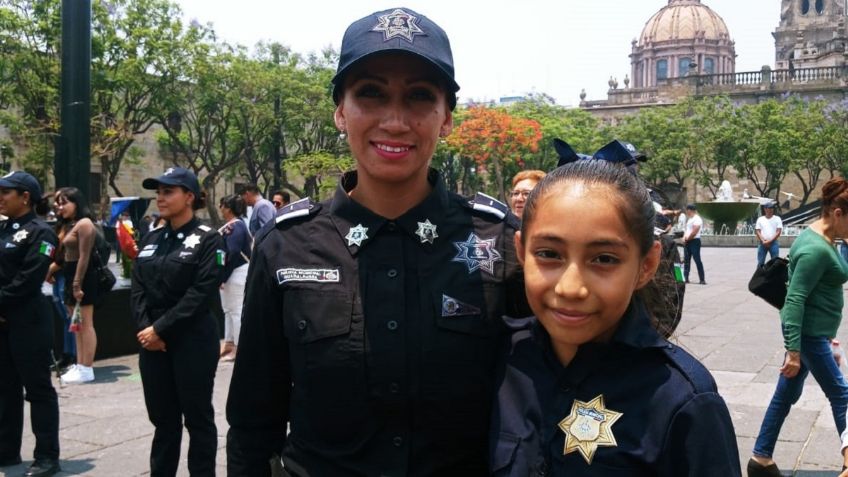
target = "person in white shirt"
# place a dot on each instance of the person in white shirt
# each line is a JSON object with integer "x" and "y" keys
{"x": 692, "y": 243}
{"x": 768, "y": 229}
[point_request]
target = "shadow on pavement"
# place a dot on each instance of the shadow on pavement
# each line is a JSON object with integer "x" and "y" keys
{"x": 69, "y": 467}
{"x": 110, "y": 374}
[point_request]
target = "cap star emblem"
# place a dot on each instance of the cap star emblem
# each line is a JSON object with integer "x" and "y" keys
{"x": 398, "y": 24}
{"x": 477, "y": 253}
{"x": 19, "y": 236}
{"x": 588, "y": 427}
{"x": 356, "y": 235}
{"x": 427, "y": 232}
{"x": 168, "y": 171}
{"x": 191, "y": 241}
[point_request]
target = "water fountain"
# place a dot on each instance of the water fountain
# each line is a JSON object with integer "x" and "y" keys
{"x": 725, "y": 211}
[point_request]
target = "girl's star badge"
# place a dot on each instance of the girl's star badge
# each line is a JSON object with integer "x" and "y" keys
{"x": 588, "y": 427}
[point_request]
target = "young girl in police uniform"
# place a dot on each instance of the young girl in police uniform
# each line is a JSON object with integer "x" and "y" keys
{"x": 590, "y": 388}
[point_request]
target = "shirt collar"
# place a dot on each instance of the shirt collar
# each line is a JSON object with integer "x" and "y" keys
{"x": 186, "y": 228}
{"x": 346, "y": 213}
{"x": 16, "y": 224}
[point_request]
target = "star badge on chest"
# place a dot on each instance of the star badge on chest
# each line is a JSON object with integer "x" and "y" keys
{"x": 20, "y": 236}
{"x": 477, "y": 253}
{"x": 427, "y": 232}
{"x": 588, "y": 427}
{"x": 356, "y": 235}
{"x": 191, "y": 241}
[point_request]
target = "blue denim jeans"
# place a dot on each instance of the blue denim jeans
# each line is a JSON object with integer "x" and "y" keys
{"x": 816, "y": 358}
{"x": 69, "y": 341}
{"x": 692, "y": 250}
{"x": 843, "y": 249}
{"x": 773, "y": 250}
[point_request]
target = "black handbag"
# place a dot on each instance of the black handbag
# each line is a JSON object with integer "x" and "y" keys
{"x": 770, "y": 281}
{"x": 105, "y": 278}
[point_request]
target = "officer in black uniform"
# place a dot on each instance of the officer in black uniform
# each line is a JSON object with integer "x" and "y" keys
{"x": 175, "y": 279}
{"x": 27, "y": 246}
{"x": 371, "y": 324}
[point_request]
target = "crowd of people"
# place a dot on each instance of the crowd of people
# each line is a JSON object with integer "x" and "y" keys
{"x": 398, "y": 328}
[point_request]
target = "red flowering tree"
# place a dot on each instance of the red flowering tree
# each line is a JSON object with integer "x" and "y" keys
{"x": 494, "y": 139}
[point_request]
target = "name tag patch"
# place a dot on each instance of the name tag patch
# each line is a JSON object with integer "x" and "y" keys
{"x": 317, "y": 275}
{"x": 148, "y": 251}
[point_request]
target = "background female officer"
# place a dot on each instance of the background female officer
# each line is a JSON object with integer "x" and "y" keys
{"x": 27, "y": 246}
{"x": 372, "y": 322}
{"x": 175, "y": 277}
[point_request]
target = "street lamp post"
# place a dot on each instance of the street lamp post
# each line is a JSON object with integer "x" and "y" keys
{"x": 72, "y": 163}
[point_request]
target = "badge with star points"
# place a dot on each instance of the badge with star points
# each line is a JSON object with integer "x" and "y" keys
{"x": 398, "y": 24}
{"x": 356, "y": 235}
{"x": 191, "y": 241}
{"x": 477, "y": 253}
{"x": 588, "y": 427}
{"x": 20, "y": 236}
{"x": 427, "y": 232}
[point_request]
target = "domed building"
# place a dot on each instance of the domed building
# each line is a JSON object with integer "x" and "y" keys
{"x": 685, "y": 37}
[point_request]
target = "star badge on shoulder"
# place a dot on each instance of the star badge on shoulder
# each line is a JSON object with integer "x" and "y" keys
{"x": 588, "y": 427}
{"x": 20, "y": 236}
{"x": 398, "y": 24}
{"x": 356, "y": 235}
{"x": 427, "y": 232}
{"x": 191, "y": 241}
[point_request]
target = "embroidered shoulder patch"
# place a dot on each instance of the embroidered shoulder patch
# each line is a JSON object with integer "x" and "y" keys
{"x": 316, "y": 275}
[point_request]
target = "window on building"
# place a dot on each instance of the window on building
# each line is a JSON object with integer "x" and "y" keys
{"x": 709, "y": 66}
{"x": 820, "y": 7}
{"x": 805, "y": 7}
{"x": 662, "y": 69}
{"x": 683, "y": 66}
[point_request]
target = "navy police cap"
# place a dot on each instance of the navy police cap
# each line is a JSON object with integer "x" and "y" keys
{"x": 174, "y": 176}
{"x": 620, "y": 152}
{"x": 566, "y": 153}
{"x": 22, "y": 181}
{"x": 396, "y": 29}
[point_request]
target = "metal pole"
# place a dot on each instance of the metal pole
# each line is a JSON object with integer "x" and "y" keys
{"x": 73, "y": 161}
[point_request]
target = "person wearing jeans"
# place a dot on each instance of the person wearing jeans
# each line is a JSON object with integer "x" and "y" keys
{"x": 692, "y": 243}
{"x": 768, "y": 230}
{"x": 810, "y": 318}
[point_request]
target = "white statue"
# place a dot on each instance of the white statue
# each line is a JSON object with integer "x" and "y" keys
{"x": 725, "y": 192}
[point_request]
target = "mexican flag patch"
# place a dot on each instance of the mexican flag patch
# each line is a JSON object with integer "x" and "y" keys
{"x": 46, "y": 249}
{"x": 220, "y": 257}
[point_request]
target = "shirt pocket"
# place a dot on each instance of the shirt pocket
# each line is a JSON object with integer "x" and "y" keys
{"x": 179, "y": 273}
{"x": 503, "y": 457}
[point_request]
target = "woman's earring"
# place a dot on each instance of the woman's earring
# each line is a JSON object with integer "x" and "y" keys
{"x": 343, "y": 135}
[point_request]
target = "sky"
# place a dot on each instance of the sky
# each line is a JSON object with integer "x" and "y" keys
{"x": 500, "y": 47}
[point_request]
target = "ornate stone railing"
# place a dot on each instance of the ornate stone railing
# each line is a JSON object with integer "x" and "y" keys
{"x": 768, "y": 77}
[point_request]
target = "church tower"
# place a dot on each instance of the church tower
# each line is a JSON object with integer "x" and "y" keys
{"x": 811, "y": 34}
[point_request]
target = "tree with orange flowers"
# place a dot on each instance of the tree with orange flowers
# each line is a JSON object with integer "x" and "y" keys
{"x": 494, "y": 139}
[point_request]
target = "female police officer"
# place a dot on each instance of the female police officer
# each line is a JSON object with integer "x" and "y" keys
{"x": 175, "y": 277}
{"x": 27, "y": 245}
{"x": 371, "y": 321}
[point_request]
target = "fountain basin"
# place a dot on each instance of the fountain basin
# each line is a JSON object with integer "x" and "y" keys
{"x": 726, "y": 214}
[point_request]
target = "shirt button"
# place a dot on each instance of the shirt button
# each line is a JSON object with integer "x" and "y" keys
{"x": 392, "y": 325}
{"x": 392, "y": 273}
{"x": 391, "y": 226}
{"x": 394, "y": 388}
{"x": 301, "y": 325}
{"x": 397, "y": 441}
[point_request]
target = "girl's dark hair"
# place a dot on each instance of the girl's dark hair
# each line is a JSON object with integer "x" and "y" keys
{"x": 637, "y": 211}
{"x": 235, "y": 203}
{"x": 634, "y": 201}
{"x": 42, "y": 205}
{"x": 835, "y": 196}
{"x": 72, "y": 194}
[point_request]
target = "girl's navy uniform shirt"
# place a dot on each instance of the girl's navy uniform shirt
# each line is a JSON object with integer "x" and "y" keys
{"x": 667, "y": 418}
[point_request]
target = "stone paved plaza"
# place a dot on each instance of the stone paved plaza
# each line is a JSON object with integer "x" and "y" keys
{"x": 105, "y": 431}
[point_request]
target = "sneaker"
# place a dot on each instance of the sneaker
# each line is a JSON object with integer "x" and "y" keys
{"x": 72, "y": 373}
{"x": 82, "y": 374}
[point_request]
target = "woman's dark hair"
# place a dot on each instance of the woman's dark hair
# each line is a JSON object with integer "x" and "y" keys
{"x": 74, "y": 195}
{"x": 199, "y": 200}
{"x": 835, "y": 196}
{"x": 42, "y": 206}
{"x": 235, "y": 203}
{"x": 634, "y": 201}
{"x": 637, "y": 211}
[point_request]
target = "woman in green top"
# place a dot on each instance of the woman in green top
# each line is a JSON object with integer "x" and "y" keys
{"x": 810, "y": 318}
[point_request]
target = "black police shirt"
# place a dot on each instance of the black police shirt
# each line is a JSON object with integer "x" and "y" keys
{"x": 27, "y": 246}
{"x": 176, "y": 274}
{"x": 636, "y": 406}
{"x": 375, "y": 340}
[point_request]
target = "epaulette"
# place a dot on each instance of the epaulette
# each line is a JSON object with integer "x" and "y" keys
{"x": 204, "y": 228}
{"x": 300, "y": 208}
{"x": 691, "y": 369}
{"x": 484, "y": 203}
